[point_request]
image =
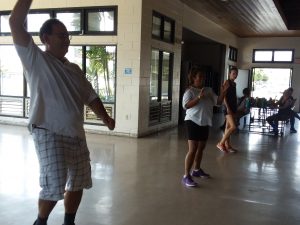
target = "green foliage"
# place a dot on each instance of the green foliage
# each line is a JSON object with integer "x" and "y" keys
{"x": 98, "y": 69}
{"x": 259, "y": 75}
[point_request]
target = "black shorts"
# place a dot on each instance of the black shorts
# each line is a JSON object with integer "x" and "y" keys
{"x": 196, "y": 132}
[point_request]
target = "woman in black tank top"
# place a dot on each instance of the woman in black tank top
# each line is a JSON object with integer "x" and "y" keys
{"x": 230, "y": 101}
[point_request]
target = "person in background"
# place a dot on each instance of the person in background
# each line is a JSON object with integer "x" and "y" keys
{"x": 293, "y": 114}
{"x": 198, "y": 101}
{"x": 285, "y": 112}
{"x": 230, "y": 101}
{"x": 244, "y": 105}
{"x": 59, "y": 90}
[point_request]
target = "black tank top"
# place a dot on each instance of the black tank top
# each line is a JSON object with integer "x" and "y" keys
{"x": 231, "y": 98}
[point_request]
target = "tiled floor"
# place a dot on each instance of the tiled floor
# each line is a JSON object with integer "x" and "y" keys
{"x": 138, "y": 181}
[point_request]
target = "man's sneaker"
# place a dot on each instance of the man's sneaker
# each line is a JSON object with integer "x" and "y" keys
{"x": 293, "y": 131}
{"x": 200, "y": 173}
{"x": 188, "y": 181}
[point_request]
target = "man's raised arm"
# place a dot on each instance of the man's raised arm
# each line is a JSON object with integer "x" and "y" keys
{"x": 17, "y": 22}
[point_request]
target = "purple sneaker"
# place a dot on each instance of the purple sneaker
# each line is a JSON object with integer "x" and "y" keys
{"x": 200, "y": 173}
{"x": 188, "y": 181}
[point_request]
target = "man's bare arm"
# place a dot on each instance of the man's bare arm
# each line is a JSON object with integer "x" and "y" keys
{"x": 97, "y": 106}
{"x": 17, "y": 22}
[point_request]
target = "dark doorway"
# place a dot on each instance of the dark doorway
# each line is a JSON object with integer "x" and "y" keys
{"x": 198, "y": 51}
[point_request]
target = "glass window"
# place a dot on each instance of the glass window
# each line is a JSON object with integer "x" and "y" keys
{"x": 11, "y": 72}
{"x": 161, "y": 23}
{"x": 74, "y": 55}
{"x": 165, "y": 76}
{"x": 270, "y": 82}
{"x": 35, "y": 21}
{"x": 233, "y": 54}
{"x": 156, "y": 25}
{"x": 167, "y": 30}
{"x": 101, "y": 21}
{"x": 4, "y": 26}
{"x": 263, "y": 56}
{"x": 154, "y": 75}
{"x": 100, "y": 70}
{"x": 273, "y": 56}
{"x": 283, "y": 56}
{"x": 72, "y": 20}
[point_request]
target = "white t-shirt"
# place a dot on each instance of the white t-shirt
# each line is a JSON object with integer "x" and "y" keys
{"x": 201, "y": 113}
{"x": 58, "y": 91}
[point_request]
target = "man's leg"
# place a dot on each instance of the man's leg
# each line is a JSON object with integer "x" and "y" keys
{"x": 72, "y": 201}
{"x": 45, "y": 208}
{"x": 292, "y": 121}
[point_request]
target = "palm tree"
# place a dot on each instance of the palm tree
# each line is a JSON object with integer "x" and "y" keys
{"x": 99, "y": 59}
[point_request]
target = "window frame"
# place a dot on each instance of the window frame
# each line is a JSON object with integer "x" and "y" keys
{"x": 161, "y": 36}
{"x": 32, "y": 12}
{"x": 273, "y": 52}
{"x": 233, "y": 54}
{"x": 67, "y": 10}
{"x": 101, "y": 9}
{"x": 160, "y": 74}
{"x": 84, "y": 20}
{"x": 4, "y": 33}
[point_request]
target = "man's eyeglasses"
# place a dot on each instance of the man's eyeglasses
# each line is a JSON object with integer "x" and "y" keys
{"x": 63, "y": 36}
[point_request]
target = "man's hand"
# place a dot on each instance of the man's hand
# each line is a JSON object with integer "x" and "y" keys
{"x": 109, "y": 122}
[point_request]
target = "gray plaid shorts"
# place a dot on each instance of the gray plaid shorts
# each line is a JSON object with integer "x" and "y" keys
{"x": 64, "y": 164}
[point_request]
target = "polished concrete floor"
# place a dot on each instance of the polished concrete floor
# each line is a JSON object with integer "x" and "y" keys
{"x": 138, "y": 181}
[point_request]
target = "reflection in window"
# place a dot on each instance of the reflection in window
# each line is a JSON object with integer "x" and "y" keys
{"x": 165, "y": 76}
{"x": 156, "y": 24}
{"x": 11, "y": 72}
{"x": 160, "y": 108}
{"x": 233, "y": 52}
{"x": 100, "y": 70}
{"x": 161, "y": 75}
{"x": 167, "y": 31}
{"x": 154, "y": 75}
{"x": 4, "y": 26}
{"x": 35, "y": 21}
{"x": 101, "y": 21}
{"x": 163, "y": 28}
{"x": 71, "y": 20}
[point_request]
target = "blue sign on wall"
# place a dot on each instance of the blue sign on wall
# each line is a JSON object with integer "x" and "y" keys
{"x": 128, "y": 71}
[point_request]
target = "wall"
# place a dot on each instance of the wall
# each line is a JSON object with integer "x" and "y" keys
{"x": 245, "y": 50}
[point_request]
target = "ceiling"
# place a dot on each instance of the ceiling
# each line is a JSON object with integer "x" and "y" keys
{"x": 252, "y": 18}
